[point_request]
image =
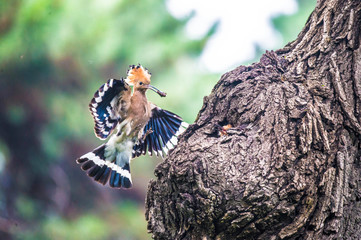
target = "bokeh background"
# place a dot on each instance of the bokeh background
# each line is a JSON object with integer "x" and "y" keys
{"x": 54, "y": 54}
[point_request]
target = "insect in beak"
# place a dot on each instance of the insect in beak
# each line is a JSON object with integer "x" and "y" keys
{"x": 162, "y": 94}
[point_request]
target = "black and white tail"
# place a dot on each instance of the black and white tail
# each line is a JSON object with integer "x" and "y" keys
{"x": 103, "y": 168}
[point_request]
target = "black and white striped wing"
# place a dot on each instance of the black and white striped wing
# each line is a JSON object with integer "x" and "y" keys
{"x": 165, "y": 127}
{"x": 104, "y": 105}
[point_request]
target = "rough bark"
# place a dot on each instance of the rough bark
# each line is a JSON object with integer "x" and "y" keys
{"x": 289, "y": 168}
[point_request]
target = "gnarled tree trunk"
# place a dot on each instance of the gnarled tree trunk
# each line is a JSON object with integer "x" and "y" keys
{"x": 289, "y": 168}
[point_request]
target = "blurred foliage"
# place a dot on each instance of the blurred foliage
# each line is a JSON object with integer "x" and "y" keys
{"x": 120, "y": 221}
{"x": 54, "y": 54}
{"x": 291, "y": 25}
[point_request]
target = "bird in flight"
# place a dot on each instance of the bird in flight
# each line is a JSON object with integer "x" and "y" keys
{"x": 135, "y": 126}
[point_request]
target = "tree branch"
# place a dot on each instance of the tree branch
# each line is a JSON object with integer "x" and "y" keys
{"x": 289, "y": 167}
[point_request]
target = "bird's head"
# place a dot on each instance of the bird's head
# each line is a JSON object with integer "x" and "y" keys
{"x": 139, "y": 77}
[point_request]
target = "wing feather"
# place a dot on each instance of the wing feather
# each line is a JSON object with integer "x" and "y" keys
{"x": 165, "y": 126}
{"x": 107, "y": 106}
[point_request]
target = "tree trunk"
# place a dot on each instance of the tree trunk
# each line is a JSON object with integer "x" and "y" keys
{"x": 289, "y": 167}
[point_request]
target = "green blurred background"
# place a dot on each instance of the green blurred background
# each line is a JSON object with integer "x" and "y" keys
{"x": 54, "y": 54}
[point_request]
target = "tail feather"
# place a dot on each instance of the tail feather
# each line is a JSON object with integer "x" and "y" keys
{"x": 105, "y": 177}
{"x": 105, "y": 170}
{"x": 87, "y": 165}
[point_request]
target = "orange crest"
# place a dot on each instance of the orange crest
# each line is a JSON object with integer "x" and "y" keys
{"x": 138, "y": 73}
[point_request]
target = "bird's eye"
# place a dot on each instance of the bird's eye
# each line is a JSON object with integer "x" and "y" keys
{"x": 140, "y": 83}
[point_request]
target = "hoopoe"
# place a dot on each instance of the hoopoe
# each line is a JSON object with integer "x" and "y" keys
{"x": 140, "y": 127}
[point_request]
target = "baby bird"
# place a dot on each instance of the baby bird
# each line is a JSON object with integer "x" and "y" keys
{"x": 140, "y": 127}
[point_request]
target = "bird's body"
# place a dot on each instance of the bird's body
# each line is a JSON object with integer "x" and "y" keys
{"x": 140, "y": 126}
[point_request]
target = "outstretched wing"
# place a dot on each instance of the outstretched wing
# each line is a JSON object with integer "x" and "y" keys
{"x": 108, "y": 105}
{"x": 160, "y": 133}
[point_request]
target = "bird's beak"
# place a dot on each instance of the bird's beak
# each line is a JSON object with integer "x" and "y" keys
{"x": 162, "y": 94}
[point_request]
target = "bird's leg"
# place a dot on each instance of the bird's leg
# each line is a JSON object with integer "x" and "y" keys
{"x": 149, "y": 131}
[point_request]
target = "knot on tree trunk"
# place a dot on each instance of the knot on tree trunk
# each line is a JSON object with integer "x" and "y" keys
{"x": 274, "y": 152}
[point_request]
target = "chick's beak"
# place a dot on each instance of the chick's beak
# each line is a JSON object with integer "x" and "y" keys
{"x": 162, "y": 94}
